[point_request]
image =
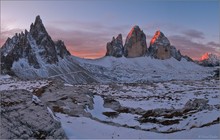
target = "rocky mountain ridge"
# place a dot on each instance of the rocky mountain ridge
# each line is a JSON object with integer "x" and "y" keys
{"x": 34, "y": 54}
{"x": 136, "y": 46}
{"x": 209, "y": 59}
{"x": 36, "y": 46}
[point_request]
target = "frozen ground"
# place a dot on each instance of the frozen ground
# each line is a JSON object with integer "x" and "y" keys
{"x": 10, "y": 83}
{"x": 170, "y": 109}
{"x": 143, "y": 69}
{"x": 86, "y": 128}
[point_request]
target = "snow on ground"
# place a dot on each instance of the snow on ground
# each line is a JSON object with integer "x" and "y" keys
{"x": 86, "y": 128}
{"x": 10, "y": 83}
{"x": 142, "y": 69}
{"x": 172, "y": 96}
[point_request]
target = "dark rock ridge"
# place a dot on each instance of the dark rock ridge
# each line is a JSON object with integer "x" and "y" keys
{"x": 135, "y": 44}
{"x": 115, "y": 47}
{"x": 36, "y": 46}
{"x": 160, "y": 47}
{"x": 22, "y": 117}
{"x": 34, "y": 54}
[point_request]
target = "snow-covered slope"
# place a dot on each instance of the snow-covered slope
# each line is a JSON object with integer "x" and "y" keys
{"x": 143, "y": 69}
{"x": 66, "y": 69}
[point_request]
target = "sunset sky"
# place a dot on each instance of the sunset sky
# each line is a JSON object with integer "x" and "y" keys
{"x": 87, "y": 25}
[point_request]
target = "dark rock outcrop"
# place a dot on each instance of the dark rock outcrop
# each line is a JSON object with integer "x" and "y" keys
{"x": 61, "y": 49}
{"x": 34, "y": 54}
{"x": 135, "y": 44}
{"x": 24, "y": 117}
{"x": 160, "y": 48}
{"x": 115, "y": 47}
{"x": 35, "y": 47}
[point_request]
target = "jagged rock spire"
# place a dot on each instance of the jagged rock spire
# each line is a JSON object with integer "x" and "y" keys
{"x": 37, "y": 28}
{"x": 115, "y": 47}
{"x": 36, "y": 47}
{"x": 160, "y": 47}
{"x": 135, "y": 44}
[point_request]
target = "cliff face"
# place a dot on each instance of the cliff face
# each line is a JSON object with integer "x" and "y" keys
{"x": 135, "y": 44}
{"x": 35, "y": 46}
{"x": 115, "y": 47}
{"x": 160, "y": 48}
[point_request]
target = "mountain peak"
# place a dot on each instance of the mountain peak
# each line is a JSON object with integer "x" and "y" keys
{"x": 135, "y": 44}
{"x": 134, "y": 29}
{"x": 38, "y": 27}
{"x": 37, "y": 20}
{"x": 206, "y": 56}
{"x": 161, "y": 48}
{"x": 209, "y": 59}
{"x": 115, "y": 47}
{"x": 159, "y": 36}
{"x": 35, "y": 48}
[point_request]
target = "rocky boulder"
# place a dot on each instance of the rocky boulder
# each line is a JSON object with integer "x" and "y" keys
{"x": 160, "y": 48}
{"x": 115, "y": 47}
{"x": 24, "y": 116}
{"x": 135, "y": 44}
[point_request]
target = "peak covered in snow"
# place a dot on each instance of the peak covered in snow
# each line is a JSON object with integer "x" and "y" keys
{"x": 209, "y": 59}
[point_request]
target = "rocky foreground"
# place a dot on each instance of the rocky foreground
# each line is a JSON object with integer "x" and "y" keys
{"x": 23, "y": 115}
{"x": 53, "y": 109}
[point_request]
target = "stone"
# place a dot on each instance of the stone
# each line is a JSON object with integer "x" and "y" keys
{"x": 160, "y": 48}
{"x": 21, "y": 118}
{"x": 115, "y": 47}
{"x": 135, "y": 44}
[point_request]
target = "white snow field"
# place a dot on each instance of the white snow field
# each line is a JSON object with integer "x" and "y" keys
{"x": 142, "y": 69}
{"x": 173, "y": 109}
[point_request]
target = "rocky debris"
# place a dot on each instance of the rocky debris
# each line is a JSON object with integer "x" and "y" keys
{"x": 209, "y": 60}
{"x": 71, "y": 100}
{"x": 24, "y": 117}
{"x": 112, "y": 114}
{"x": 196, "y": 104}
{"x": 192, "y": 106}
{"x": 135, "y": 44}
{"x": 115, "y": 47}
{"x": 160, "y": 48}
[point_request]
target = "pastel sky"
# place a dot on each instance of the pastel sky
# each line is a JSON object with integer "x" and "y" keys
{"x": 87, "y": 25}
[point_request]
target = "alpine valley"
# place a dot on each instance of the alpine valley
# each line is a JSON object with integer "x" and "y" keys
{"x": 134, "y": 91}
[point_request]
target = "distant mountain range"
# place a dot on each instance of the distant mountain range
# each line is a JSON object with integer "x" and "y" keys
{"x": 209, "y": 60}
{"x": 33, "y": 54}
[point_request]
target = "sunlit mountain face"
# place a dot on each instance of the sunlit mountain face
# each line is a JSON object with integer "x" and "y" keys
{"x": 205, "y": 56}
{"x": 157, "y": 34}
